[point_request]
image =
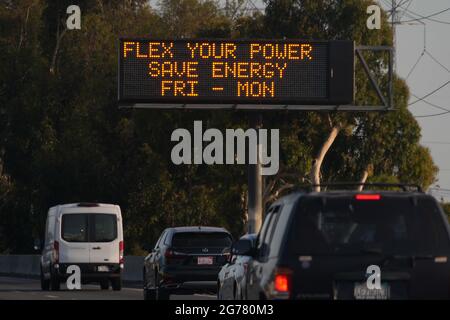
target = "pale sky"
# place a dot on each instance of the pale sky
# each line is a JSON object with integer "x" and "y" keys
{"x": 428, "y": 75}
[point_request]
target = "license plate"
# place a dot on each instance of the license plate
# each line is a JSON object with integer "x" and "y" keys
{"x": 362, "y": 292}
{"x": 102, "y": 268}
{"x": 205, "y": 260}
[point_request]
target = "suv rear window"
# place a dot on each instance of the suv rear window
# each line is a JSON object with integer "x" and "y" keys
{"x": 201, "y": 239}
{"x": 89, "y": 227}
{"x": 391, "y": 225}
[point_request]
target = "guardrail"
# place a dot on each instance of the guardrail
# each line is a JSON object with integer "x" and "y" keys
{"x": 28, "y": 266}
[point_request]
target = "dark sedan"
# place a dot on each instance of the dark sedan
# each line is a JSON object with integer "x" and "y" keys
{"x": 185, "y": 260}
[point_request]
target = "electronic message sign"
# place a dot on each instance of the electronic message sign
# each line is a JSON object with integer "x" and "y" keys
{"x": 236, "y": 72}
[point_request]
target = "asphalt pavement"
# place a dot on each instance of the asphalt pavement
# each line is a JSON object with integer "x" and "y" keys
{"x": 12, "y": 288}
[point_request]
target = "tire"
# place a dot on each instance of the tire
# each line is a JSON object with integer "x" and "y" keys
{"x": 235, "y": 291}
{"x": 55, "y": 284}
{"x": 45, "y": 284}
{"x": 104, "y": 284}
{"x": 161, "y": 293}
{"x": 116, "y": 283}
{"x": 219, "y": 296}
{"x": 241, "y": 295}
{"x": 149, "y": 294}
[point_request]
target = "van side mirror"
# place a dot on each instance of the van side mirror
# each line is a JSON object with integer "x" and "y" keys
{"x": 243, "y": 247}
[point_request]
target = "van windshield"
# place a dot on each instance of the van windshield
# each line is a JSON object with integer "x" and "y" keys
{"x": 96, "y": 227}
{"x": 391, "y": 225}
{"x": 201, "y": 239}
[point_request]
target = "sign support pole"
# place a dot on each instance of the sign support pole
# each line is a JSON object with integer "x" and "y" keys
{"x": 255, "y": 210}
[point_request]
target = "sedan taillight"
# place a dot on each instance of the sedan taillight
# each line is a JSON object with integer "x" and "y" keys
{"x": 174, "y": 254}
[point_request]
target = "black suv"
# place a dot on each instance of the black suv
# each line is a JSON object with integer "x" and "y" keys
{"x": 331, "y": 245}
{"x": 185, "y": 260}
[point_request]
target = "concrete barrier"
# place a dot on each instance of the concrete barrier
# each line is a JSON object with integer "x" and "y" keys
{"x": 26, "y": 265}
{"x": 133, "y": 268}
{"x": 29, "y": 266}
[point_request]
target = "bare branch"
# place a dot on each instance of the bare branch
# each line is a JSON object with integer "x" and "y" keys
{"x": 23, "y": 28}
{"x": 317, "y": 162}
{"x": 276, "y": 194}
{"x": 364, "y": 176}
{"x": 268, "y": 189}
{"x": 59, "y": 37}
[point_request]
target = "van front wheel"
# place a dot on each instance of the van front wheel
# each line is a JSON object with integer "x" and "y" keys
{"x": 116, "y": 283}
{"x": 45, "y": 284}
{"x": 54, "y": 282}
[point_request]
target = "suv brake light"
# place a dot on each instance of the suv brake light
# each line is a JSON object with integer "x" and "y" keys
{"x": 282, "y": 283}
{"x": 373, "y": 197}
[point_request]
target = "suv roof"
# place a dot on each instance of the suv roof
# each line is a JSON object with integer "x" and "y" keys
{"x": 307, "y": 191}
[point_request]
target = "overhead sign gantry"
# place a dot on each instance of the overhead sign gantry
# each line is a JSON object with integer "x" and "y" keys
{"x": 257, "y": 75}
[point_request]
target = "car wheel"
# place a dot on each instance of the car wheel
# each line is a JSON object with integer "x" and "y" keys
{"x": 104, "y": 284}
{"x": 45, "y": 284}
{"x": 161, "y": 293}
{"x": 116, "y": 283}
{"x": 219, "y": 296}
{"x": 55, "y": 283}
{"x": 149, "y": 294}
{"x": 241, "y": 295}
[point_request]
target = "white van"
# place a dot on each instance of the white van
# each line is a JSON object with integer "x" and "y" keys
{"x": 88, "y": 235}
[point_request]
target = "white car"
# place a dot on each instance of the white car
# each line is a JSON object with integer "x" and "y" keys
{"x": 232, "y": 279}
{"x": 88, "y": 235}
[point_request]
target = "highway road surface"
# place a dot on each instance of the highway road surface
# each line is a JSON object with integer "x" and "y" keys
{"x": 29, "y": 289}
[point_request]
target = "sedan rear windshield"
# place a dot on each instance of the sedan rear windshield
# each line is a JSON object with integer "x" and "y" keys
{"x": 96, "y": 227}
{"x": 201, "y": 239}
{"x": 391, "y": 225}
